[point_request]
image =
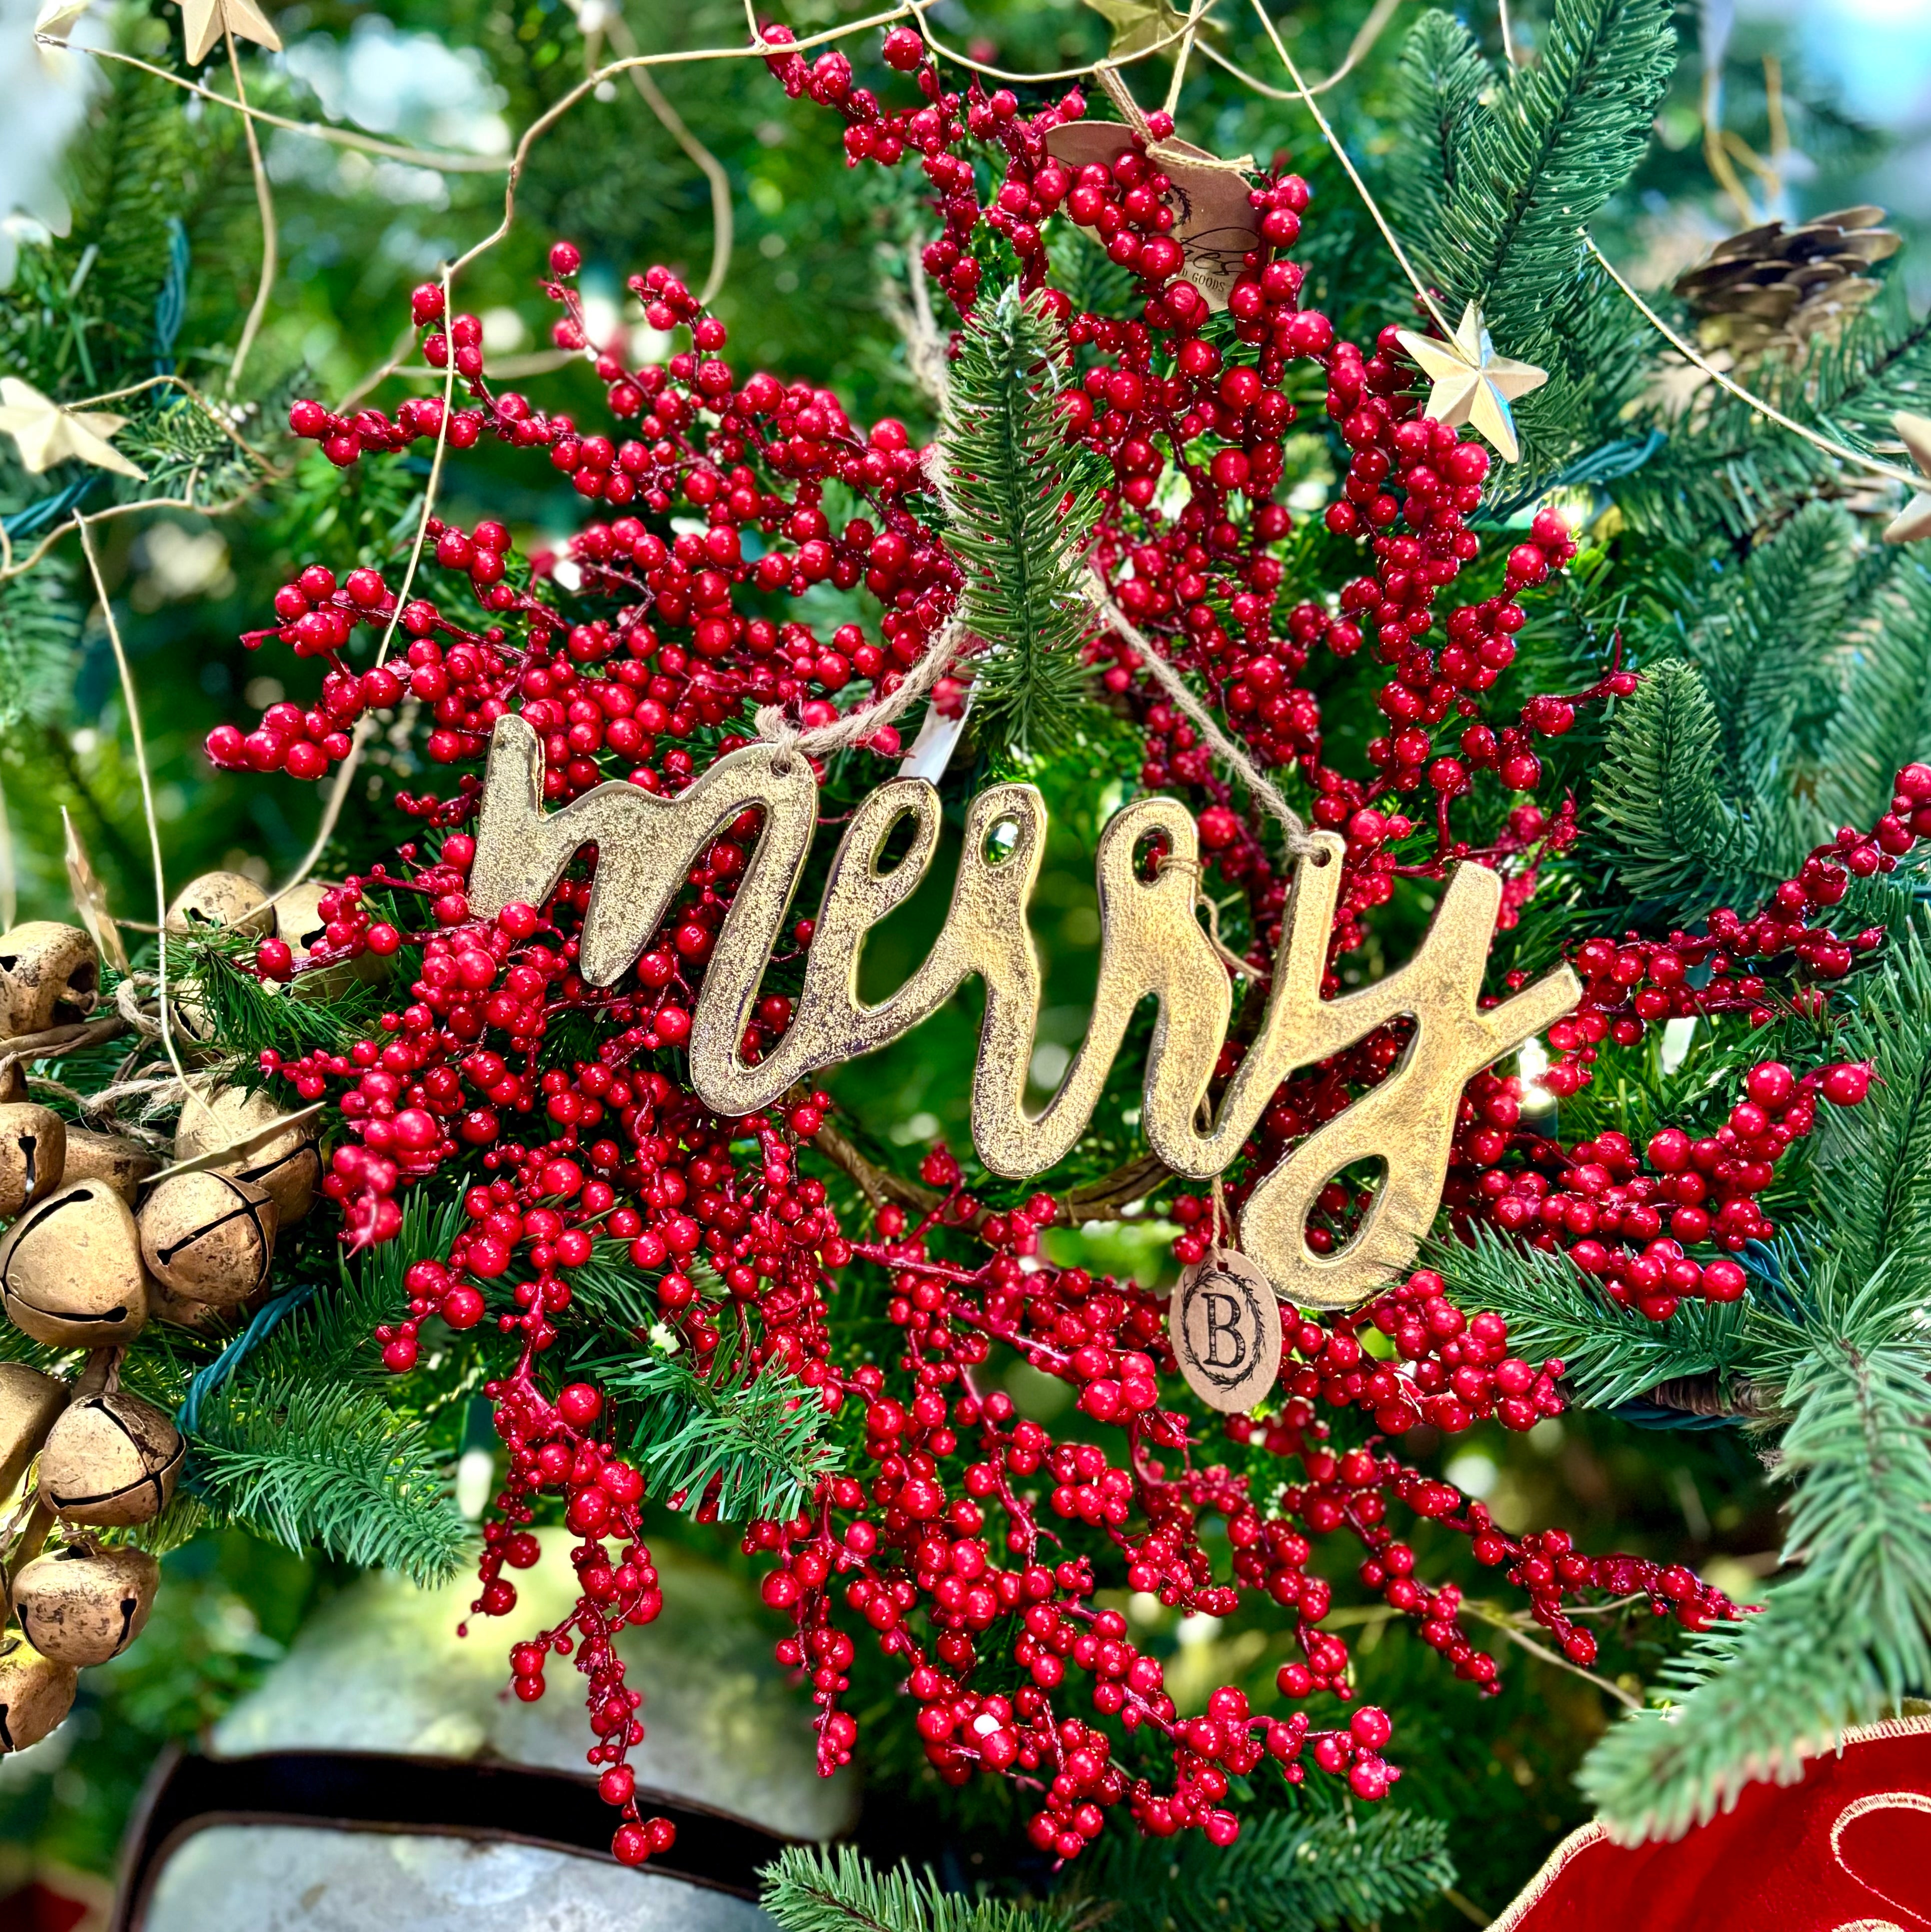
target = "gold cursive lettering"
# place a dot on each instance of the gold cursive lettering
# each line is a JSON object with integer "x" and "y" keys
{"x": 1151, "y": 946}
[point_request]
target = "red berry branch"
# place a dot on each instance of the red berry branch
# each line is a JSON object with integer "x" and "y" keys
{"x": 963, "y": 1540}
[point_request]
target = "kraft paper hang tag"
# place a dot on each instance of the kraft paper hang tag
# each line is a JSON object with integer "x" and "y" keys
{"x": 1212, "y": 222}
{"x": 1224, "y": 1323}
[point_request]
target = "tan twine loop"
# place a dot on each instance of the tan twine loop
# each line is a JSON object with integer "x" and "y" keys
{"x": 132, "y": 1002}
{"x": 1301, "y": 842}
{"x": 819, "y": 741}
{"x": 1244, "y": 968}
{"x": 1165, "y": 152}
{"x": 1223, "y": 1220}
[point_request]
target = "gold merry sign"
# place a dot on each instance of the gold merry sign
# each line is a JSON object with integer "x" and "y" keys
{"x": 1152, "y": 944}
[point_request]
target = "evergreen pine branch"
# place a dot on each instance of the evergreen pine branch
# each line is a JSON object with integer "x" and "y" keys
{"x": 609, "y": 1288}
{"x": 81, "y": 318}
{"x": 806, "y": 1888}
{"x": 312, "y": 1464}
{"x": 760, "y": 1438}
{"x": 1673, "y": 837}
{"x": 1019, "y": 504}
{"x": 299, "y": 1440}
{"x": 1884, "y": 722}
{"x": 1288, "y": 1872}
{"x": 330, "y": 1335}
{"x": 1848, "y": 1637}
{"x": 40, "y": 629}
{"x": 1838, "y": 1645}
{"x": 186, "y": 453}
{"x": 1873, "y": 1161}
{"x": 1768, "y": 649}
{"x": 1438, "y": 89}
{"x": 1609, "y": 1354}
{"x": 1725, "y": 466}
{"x": 1558, "y": 139}
{"x": 247, "y": 1018}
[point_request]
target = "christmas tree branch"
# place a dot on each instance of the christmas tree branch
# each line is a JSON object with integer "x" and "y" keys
{"x": 1288, "y": 1872}
{"x": 1019, "y": 508}
{"x": 1839, "y": 1645}
{"x": 1610, "y": 1354}
{"x": 742, "y": 1447}
{"x": 312, "y": 1463}
{"x": 1556, "y": 141}
{"x": 1674, "y": 838}
{"x": 807, "y": 1889}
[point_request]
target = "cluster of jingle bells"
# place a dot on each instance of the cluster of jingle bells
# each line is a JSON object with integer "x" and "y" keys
{"x": 99, "y": 1240}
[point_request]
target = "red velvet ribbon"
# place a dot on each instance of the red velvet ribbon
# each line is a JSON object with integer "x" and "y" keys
{"x": 1846, "y": 1848}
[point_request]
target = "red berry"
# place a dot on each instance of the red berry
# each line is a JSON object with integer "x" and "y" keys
{"x": 903, "y": 50}
{"x": 580, "y": 1404}
{"x": 462, "y": 1307}
{"x": 1845, "y": 1085}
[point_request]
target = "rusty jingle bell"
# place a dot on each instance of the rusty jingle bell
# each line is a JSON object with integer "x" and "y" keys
{"x": 1151, "y": 943}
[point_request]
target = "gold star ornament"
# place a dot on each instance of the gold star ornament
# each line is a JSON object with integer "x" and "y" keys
{"x": 1473, "y": 384}
{"x": 57, "y": 19}
{"x": 48, "y": 434}
{"x": 204, "y": 22}
{"x": 1913, "y": 523}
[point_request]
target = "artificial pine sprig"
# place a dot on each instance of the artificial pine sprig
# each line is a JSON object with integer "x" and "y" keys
{"x": 732, "y": 1445}
{"x": 1292, "y": 1871}
{"x": 1558, "y": 139}
{"x": 1020, "y": 506}
{"x": 1440, "y": 81}
{"x": 836, "y": 1888}
{"x": 1674, "y": 839}
{"x": 315, "y": 1466}
{"x": 1609, "y": 1354}
{"x": 1837, "y": 1354}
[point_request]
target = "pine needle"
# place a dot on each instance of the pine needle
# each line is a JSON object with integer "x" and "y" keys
{"x": 1288, "y": 1871}
{"x": 1020, "y": 505}
{"x": 760, "y": 1440}
{"x": 836, "y": 1889}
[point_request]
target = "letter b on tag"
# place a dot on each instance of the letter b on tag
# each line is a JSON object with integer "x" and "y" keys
{"x": 1225, "y": 1326}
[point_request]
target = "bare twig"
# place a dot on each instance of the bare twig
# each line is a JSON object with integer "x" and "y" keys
{"x": 723, "y": 226}
{"x": 1359, "y": 49}
{"x": 340, "y": 137}
{"x": 1501, "y": 1620}
{"x": 1105, "y": 1199}
{"x": 133, "y": 703}
{"x": 265, "y": 204}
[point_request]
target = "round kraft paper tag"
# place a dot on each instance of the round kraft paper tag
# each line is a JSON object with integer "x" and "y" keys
{"x": 1225, "y": 1326}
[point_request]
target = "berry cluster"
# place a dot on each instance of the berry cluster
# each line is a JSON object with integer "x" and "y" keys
{"x": 552, "y": 1446}
{"x": 1630, "y": 1220}
{"x": 559, "y": 1116}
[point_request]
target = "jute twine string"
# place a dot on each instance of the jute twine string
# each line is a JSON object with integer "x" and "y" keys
{"x": 1245, "y": 969}
{"x": 1302, "y": 843}
{"x": 1114, "y": 84}
{"x": 819, "y": 741}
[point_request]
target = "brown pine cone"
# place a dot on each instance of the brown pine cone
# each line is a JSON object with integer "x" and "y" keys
{"x": 1776, "y": 289}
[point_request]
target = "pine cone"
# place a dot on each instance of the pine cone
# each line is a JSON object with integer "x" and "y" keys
{"x": 1776, "y": 290}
